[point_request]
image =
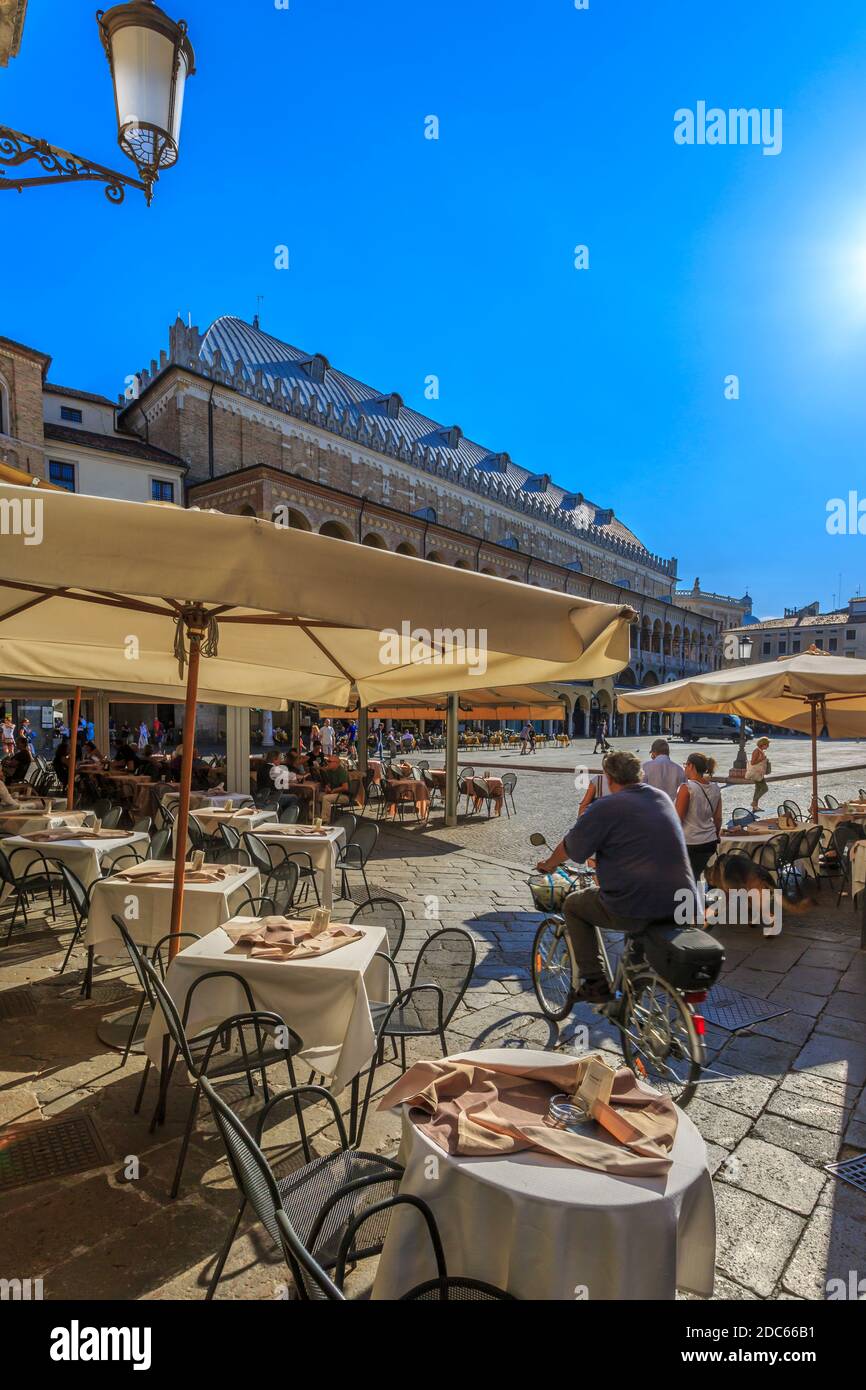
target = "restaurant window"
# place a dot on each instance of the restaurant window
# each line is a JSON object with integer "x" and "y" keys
{"x": 161, "y": 491}
{"x": 68, "y": 412}
{"x": 833, "y": 644}
{"x": 62, "y": 474}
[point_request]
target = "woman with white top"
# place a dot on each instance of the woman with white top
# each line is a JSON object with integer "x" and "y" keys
{"x": 699, "y": 807}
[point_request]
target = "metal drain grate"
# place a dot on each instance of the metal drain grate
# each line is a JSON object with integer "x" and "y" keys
{"x": 729, "y": 1009}
{"x": 17, "y": 1003}
{"x": 853, "y": 1170}
{"x": 49, "y": 1149}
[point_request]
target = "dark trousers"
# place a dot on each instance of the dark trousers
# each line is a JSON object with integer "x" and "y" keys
{"x": 583, "y": 912}
{"x": 700, "y": 856}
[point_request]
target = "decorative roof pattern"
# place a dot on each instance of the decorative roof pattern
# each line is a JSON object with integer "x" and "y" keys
{"x": 306, "y": 385}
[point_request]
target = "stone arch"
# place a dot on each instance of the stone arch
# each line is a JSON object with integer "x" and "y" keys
{"x": 656, "y": 638}
{"x": 5, "y": 407}
{"x": 437, "y": 557}
{"x": 406, "y": 548}
{"x": 649, "y": 678}
{"x": 284, "y": 515}
{"x": 247, "y": 510}
{"x": 337, "y": 530}
{"x": 374, "y": 540}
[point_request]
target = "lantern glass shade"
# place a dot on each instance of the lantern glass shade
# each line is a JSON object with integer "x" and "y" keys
{"x": 745, "y": 648}
{"x": 150, "y": 58}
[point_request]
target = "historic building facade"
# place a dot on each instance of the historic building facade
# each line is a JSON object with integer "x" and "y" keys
{"x": 839, "y": 633}
{"x": 269, "y": 430}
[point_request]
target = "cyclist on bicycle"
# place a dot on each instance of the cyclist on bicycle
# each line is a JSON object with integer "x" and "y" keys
{"x": 637, "y": 841}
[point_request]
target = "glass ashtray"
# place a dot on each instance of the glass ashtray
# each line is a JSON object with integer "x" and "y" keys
{"x": 563, "y": 1112}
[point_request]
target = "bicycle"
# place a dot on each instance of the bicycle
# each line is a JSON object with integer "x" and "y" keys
{"x": 661, "y": 1033}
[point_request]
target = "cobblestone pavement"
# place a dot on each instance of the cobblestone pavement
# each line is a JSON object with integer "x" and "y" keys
{"x": 793, "y": 1099}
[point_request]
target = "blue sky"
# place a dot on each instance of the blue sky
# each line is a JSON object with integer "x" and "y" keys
{"x": 454, "y": 257}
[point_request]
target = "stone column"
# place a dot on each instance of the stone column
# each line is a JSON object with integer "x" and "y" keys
{"x": 267, "y": 728}
{"x": 237, "y": 749}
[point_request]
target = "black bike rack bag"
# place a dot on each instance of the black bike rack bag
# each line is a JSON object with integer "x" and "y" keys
{"x": 685, "y": 957}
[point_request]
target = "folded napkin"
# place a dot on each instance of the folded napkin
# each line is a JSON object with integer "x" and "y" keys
{"x": 484, "y": 1109}
{"x": 208, "y": 873}
{"x": 287, "y": 938}
{"x": 73, "y": 833}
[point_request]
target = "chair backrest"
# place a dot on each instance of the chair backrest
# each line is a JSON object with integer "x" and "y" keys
{"x": 137, "y": 958}
{"x": 230, "y": 837}
{"x": 467, "y": 772}
{"x": 112, "y": 818}
{"x": 509, "y": 781}
{"x": 345, "y": 821}
{"x": 353, "y": 1237}
{"x": 195, "y": 834}
{"x": 258, "y": 852}
{"x": 831, "y": 802}
{"x": 847, "y": 833}
{"x": 7, "y": 874}
{"x": 790, "y": 808}
{"x": 248, "y": 906}
{"x": 78, "y": 894}
{"x": 160, "y": 844}
{"x": 451, "y": 955}
{"x": 101, "y": 808}
{"x": 166, "y": 814}
{"x": 250, "y": 1168}
{"x": 161, "y": 999}
{"x": 810, "y": 841}
{"x": 290, "y": 811}
{"x": 481, "y": 788}
{"x": 383, "y": 912}
{"x": 365, "y": 835}
{"x": 143, "y": 825}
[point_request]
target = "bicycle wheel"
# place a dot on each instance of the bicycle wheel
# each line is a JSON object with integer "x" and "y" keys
{"x": 659, "y": 1039}
{"x": 554, "y": 969}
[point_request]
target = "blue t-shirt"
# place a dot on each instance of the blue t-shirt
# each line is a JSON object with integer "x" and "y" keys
{"x": 637, "y": 841}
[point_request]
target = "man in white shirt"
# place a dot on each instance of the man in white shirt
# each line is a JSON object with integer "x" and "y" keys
{"x": 327, "y": 738}
{"x": 661, "y": 771}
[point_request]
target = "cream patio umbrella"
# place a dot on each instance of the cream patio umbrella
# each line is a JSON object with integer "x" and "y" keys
{"x": 807, "y": 692}
{"x": 92, "y": 590}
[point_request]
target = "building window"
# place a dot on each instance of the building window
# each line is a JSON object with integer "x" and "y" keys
{"x": 161, "y": 491}
{"x": 5, "y": 414}
{"x": 851, "y": 653}
{"x": 819, "y": 642}
{"x": 795, "y": 645}
{"x": 62, "y": 474}
{"x": 68, "y": 412}
{"x": 850, "y": 635}
{"x": 783, "y": 647}
{"x": 766, "y": 649}
{"x": 833, "y": 644}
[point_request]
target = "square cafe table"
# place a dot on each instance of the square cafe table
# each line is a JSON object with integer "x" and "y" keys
{"x": 325, "y": 1001}
{"x": 322, "y": 846}
{"x": 85, "y": 855}
{"x": 210, "y": 818}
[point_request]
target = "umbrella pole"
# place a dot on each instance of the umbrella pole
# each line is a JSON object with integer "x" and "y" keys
{"x": 182, "y": 820}
{"x": 73, "y": 748}
{"x": 451, "y": 731}
{"x": 814, "y": 705}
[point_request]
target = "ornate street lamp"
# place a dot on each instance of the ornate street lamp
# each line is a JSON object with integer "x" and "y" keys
{"x": 150, "y": 57}
{"x": 744, "y": 651}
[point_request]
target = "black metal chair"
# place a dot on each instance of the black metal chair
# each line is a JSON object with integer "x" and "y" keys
{"x": 79, "y": 901}
{"x": 290, "y": 810}
{"x": 741, "y": 815}
{"x": 101, "y": 808}
{"x": 846, "y": 834}
{"x": 831, "y": 802}
{"x": 238, "y": 1046}
{"x": 374, "y": 797}
{"x": 426, "y": 1007}
{"x": 209, "y": 845}
{"x": 27, "y": 884}
{"x": 277, "y": 903}
{"x": 111, "y": 820}
{"x": 481, "y": 791}
{"x": 144, "y": 825}
{"x": 165, "y": 814}
{"x": 509, "y": 782}
{"x": 383, "y": 912}
{"x": 465, "y": 781}
{"x": 802, "y": 854}
{"x": 354, "y": 855}
{"x": 345, "y": 821}
{"x": 147, "y": 1000}
{"x": 279, "y": 865}
{"x": 790, "y": 808}
{"x": 318, "y": 1200}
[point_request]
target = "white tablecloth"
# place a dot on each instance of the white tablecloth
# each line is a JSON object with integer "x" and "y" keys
{"x": 325, "y": 1001}
{"x": 857, "y": 853}
{"x": 544, "y": 1229}
{"x": 84, "y": 857}
{"x": 322, "y": 849}
{"x": 200, "y": 799}
{"x": 211, "y": 817}
{"x": 146, "y": 907}
{"x": 25, "y": 822}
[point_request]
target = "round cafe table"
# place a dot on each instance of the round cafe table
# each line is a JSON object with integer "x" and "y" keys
{"x": 542, "y": 1228}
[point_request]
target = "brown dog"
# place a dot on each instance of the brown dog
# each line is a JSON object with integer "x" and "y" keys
{"x": 736, "y": 872}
